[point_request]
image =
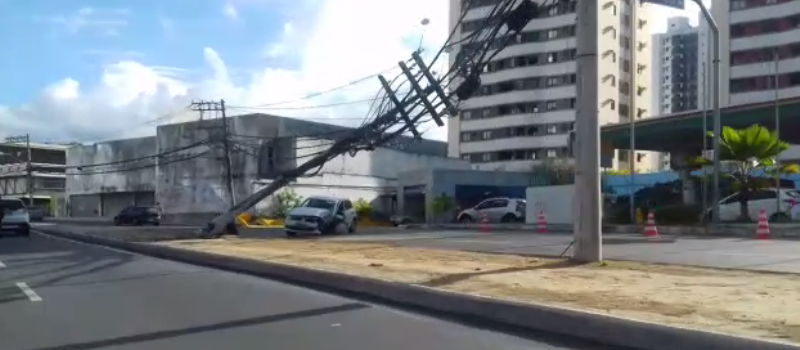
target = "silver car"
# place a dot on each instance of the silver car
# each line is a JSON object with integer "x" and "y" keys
{"x": 36, "y": 214}
{"x": 322, "y": 215}
{"x": 495, "y": 210}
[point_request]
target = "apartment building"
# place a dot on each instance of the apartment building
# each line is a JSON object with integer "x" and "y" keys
{"x": 48, "y": 162}
{"x": 760, "y": 39}
{"x": 527, "y": 103}
{"x": 678, "y": 68}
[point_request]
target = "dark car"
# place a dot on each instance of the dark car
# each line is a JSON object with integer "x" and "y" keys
{"x": 138, "y": 216}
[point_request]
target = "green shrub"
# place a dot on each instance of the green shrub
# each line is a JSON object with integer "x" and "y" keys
{"x": 284, "y": 202}
{"x": 363, "y": 208}
{"x": 678, "y": 214}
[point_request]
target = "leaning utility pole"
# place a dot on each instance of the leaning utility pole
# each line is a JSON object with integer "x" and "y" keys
{"x": 368, "y": 137}
{"x": 213, "y": 106}
{"x": 26, "y": 139}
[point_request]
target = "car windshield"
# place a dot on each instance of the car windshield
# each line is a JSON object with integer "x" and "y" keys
{"x": 11, "y": 205}
{"x": 319, "y": 203}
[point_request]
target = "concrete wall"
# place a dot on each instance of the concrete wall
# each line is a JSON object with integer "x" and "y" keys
{"x": 106, "y": 152}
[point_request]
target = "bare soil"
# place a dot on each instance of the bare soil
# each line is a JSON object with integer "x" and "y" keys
{"x": 764, "y": 305}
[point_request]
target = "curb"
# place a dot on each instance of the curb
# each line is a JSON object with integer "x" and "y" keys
{"x": 600, "y": 328}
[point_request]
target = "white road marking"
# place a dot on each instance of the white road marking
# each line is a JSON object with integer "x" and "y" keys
{"x": 2, "y": 265}
{"x": 32, "y": 296}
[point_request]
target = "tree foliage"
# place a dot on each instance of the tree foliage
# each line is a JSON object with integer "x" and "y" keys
{"x": 363, "y": 208}
{"x": 553, "y": 171}
{"x": 284, "y": 202}
{"x": 747, "y": 150}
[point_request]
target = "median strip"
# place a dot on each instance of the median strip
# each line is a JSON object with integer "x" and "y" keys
{"x": 738, "y": 302}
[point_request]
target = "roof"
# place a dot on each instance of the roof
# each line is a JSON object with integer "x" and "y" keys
{"x": 685, "y": 130}
{"x": 45, "y": 146}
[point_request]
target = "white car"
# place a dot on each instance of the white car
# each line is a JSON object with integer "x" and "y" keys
{"x": 763, "y": 199}
{"x": 16, "y": 216}
{"x": 494, "y": 210}
{"x": 322, "y": 215}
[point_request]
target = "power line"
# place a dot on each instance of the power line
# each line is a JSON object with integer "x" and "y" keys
{"x": 340, "y": 87}
{"x": 148, "y": 166}
{"x": 132, "y": 160}
{"x": 407, "y": 111}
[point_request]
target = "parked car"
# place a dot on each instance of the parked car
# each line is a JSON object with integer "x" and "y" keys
{"x": 322, "y": 215}
{"x": 136, "y": 215}
{"x": 495, "y": 210}
{"x": 15, "y": 216}
{"x": 37, "y": 214}
{"x": 762, "y": 199}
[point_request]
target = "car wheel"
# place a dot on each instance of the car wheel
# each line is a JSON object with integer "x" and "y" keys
{"x": 24, "y": 232}
{"x": 465, "y": 219}
{"x": 156, "y": 223}
{"x": 508, "y": 218}
{"x": 352, "y": 228}
{"x": 291, "y": 234}
{"x": 340, "y": 228}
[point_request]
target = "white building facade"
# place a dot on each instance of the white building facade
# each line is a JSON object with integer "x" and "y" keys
{"x": 679, "y": 68}
{"x": 527, "y": 103}
{"x": 760, "y": 40}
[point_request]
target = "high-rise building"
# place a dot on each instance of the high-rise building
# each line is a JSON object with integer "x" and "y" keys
{"x": 759, "y": 41}
{"x": 678, "y": 68}
{"x": 527, "y": 103}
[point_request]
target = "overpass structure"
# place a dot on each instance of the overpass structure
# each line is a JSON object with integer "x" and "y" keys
{"x": 683, "y": 132}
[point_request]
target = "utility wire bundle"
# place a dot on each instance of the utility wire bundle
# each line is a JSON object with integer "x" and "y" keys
{"x": 398, "y": 116}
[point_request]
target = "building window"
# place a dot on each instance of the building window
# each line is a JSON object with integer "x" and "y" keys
{"x": 487, "y": 157}
{"x": 486, "y": 135}
{"x": 551, "y": 153}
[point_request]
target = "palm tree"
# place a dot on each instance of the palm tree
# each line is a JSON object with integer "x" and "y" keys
{"x": 748, "y": 150}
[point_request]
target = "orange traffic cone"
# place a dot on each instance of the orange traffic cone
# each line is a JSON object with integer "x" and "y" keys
{"x": 650, "y": 230}
{"x": 484, "y": 225}
{"x": 762, "y": 230}
{"x": 541, "y": 223}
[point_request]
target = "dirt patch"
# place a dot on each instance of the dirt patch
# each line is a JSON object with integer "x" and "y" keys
{"x": 740, "y": 302}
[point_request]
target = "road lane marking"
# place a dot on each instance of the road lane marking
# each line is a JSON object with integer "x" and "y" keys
{"x": 32, "y": 296}
{"x": 2, "y": 265}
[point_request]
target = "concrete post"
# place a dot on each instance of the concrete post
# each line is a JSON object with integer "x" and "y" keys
{"x": 588, "y": 227}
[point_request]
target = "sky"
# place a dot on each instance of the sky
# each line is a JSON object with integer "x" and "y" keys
{"x": 93, "y": 70}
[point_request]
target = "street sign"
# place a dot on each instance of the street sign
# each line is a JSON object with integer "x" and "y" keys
{"x": 677, "y": 4}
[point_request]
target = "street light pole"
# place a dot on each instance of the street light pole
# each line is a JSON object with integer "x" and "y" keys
{"x": 632, "y": 109}
{"x": 776, "y": 86}
{"x": 715, "y": 91}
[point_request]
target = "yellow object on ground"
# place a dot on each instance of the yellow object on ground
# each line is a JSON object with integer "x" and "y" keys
{"x": 733, "y": 301}
{"x": 271, "y": 223}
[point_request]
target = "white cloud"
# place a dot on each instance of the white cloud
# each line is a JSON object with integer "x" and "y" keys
{"x": 230, "y": 11}
{"x": 102, "y": 21}
{"x": 348, "y": 39}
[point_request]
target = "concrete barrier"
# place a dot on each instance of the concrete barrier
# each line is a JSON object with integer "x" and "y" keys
{"x": 592, "y": 326}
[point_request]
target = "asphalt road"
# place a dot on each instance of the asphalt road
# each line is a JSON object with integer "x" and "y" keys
{"x": 744, "y": 253}
{"x": 61, "y": 295}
